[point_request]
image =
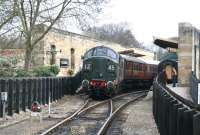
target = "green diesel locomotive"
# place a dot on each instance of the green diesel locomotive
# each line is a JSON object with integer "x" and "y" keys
{"x": 105, "y": 71}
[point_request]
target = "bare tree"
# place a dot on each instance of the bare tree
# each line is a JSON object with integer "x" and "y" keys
{"x": 119, "y": 33}
{"x": 28, "y": 15}
{"x": 7, "y": 11}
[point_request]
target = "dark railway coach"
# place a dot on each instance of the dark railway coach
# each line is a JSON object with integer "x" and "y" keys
{"x": 106, "y": 72}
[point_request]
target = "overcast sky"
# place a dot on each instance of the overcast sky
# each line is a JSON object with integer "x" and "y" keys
{"x": 152, "y": 17}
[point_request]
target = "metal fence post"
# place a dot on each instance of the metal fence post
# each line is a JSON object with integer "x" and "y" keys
{"x": 196, "y": 124}
{"x": 188, "y": 121}
{"x": 51, "y": 89}
{"x": 167, "y": 110}
{"x": 171, "y": 116}
{"x": 35, "y": 89}
{"x": 55, "y": 89}
{"x": 30, "y": 89}
{"x": 60, "y": 88}
{"x": 10, "y": 96}
{"x": 39, "y": 90}
{"x": 64, "y": 81}
{"x": 18, "y": 90}
{"x": 180, "y": 120}
{"x": 47, "y": 90}
{"x": 43, "y": 90}
{"x": 61, "y": 83}
{"x": 1, "y": 107}
{"x": 2, "y": 89}
{"x": 24, "y": 94}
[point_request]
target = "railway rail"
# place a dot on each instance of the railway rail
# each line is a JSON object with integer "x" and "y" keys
{"x": 112, "y": 110}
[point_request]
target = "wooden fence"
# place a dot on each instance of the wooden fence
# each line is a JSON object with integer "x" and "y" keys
{"x": 174, "y": 115}
{"x": 22, "y": 92}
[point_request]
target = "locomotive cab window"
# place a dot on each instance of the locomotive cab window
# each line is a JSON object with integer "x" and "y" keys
{"x": 100, "y": 52}
{"x": 88, "y": 54}
{"x": 112, "y": 54}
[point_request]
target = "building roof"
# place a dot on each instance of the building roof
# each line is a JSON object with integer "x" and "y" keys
{"x": 131, "y": 58}
{"x": 165, "y": 43}
{"x": 152, "y": 62}
{"x": 131, "y": 53}
{"x": 169, "y": 56}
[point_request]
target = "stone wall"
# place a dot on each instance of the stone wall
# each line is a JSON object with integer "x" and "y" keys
{"x": 65, "y": 41}
{"x": 187, "y": 61}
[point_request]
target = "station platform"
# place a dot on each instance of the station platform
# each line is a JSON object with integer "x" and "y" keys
{"x": 140, "y": 119}
{"x": 183, "y": 92}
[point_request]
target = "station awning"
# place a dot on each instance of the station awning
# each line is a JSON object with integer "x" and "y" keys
{"x": 131, "y": 53}
{"x": 165, "y": 43}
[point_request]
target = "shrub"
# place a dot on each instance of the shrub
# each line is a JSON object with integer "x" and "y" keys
{"x": 23, "y": 73}
{"x": 7, "y": 72}
{"x": 4, "y": 63}
{"x": 43, "y": 71}
{"x": 55, "y": 69}
{"x": 46, "y": 71}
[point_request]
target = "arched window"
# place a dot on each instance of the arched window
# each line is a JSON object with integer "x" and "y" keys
{"x": 72, "y": 58}
{"x": 53, "y": 55}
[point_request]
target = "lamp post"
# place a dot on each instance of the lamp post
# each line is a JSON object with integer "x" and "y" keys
{"x": 4, "y": 97}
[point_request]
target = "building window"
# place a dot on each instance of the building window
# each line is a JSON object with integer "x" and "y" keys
{"x": 72, "y": 58}
{"x": 53, "y": 55}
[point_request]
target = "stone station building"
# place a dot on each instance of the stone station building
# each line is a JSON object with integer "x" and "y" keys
{"x": 66, "y": 49}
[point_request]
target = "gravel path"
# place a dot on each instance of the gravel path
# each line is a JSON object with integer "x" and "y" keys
{"x": 140, "y": 118}
{"x": 23, "y": 124}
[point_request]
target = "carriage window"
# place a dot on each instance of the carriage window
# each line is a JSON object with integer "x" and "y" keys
{"x": 145, "y": 68}
{"x": 140, "y": 66}
{"x": 129, "y": 65}
{"x": 151, "y": 69}
{"x": 156, "y": 69}
{"x": 133, "y": 66}
{"x": 137, "y": 67}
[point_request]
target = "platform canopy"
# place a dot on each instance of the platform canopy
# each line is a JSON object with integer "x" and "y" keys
{"x": 165, "y": 43}
{"x": 131, "y": 53}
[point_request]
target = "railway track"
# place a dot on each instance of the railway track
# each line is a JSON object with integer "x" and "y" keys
{"x": 94, "y": 118}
